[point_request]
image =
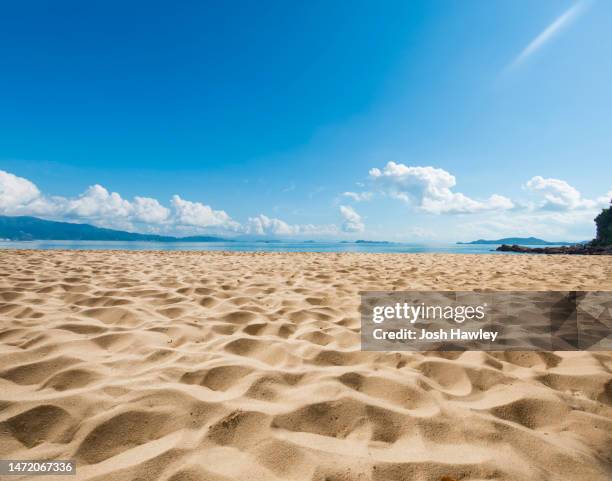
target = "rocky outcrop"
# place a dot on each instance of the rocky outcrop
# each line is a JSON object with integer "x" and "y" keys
{"x": 584, "y": 249}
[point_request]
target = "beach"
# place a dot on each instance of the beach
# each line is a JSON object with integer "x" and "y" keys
{"x": 217, "y": 366}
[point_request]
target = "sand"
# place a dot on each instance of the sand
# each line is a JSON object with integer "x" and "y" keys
{"x": 238, "y": 366}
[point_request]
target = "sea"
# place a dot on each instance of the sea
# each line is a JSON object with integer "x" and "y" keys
{"x": 261, "y": 246}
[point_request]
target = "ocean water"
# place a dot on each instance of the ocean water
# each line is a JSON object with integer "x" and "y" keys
{"x": 242, "y": 246}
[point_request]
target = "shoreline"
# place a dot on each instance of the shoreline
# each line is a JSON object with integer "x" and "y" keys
{"x": 489, "y": 253}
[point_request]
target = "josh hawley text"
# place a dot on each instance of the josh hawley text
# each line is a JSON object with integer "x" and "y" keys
{"x": 439, "y": 335}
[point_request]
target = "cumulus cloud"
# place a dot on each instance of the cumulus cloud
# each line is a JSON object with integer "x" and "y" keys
{"x": 99, "y": 206}
{"x": 16, "y": 192}
{"x": 358, "y": 196}
{"x": 430, "y": 189}
{"x": 352, "y": 220}
{"x": 264, "y": 225}
{"x": 98, "y": 203}
{"x": 150, "y": 211}
{"x": 561, "y": 196}
{"x": 19, "y": 196}
{"x": 196, "y": 214}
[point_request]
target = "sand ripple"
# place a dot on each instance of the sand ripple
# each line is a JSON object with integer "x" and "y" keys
{"x": 186, "y": 366}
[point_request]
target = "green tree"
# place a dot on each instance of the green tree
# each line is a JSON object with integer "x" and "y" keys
{"x": 604, "y": 227}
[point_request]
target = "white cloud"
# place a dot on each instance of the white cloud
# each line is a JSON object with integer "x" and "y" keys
{"x": 196, "y": 214}
{"x": 264, "y": 225}
{"x": 561, "y": 196}
{"x": 358, "y": 196}
{"x": 19, "y": 196}
{"x": 99, "y": 206}
{"x": 352, "y": 220}
{"x": 98, "y": 203}
{"x": 555, "y": 27}
{"x": 604, "y": 200}
{"x": 16, "y": 192}
{"x": 150, "y": 211}
{"x": 429, "y": 188}
{"x": 499, "y": 202}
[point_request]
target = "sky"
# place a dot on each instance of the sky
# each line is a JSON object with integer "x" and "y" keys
{"x": 417, "y": 121}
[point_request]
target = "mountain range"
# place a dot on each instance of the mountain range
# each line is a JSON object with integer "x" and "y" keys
{"x": 526, "y": 241}
{"x": 25, "y": 228}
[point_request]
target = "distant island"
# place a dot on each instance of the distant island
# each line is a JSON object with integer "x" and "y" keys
{"x": 371, "y": 242}
{"x": 527, "y": 241}
{"x": 25, "y": 228}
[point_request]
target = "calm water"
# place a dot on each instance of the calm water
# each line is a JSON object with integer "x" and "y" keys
{"x": 256, "y": 246}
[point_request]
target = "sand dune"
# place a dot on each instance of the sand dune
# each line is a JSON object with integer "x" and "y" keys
{"x": 185, "y": 366}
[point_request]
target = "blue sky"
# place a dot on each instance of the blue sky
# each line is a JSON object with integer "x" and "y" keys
{"x": 260, "y": 116}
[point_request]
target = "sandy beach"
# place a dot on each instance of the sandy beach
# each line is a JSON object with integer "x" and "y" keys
{"x": 203, "y": 366}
